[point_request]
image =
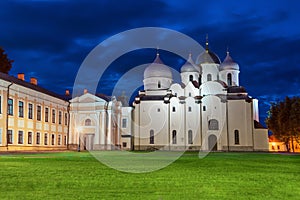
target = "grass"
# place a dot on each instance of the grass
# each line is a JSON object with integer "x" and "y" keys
{"x": 73, "y": 175}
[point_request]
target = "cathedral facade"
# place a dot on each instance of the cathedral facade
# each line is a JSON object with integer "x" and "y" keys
{"x": 208, "y": 110}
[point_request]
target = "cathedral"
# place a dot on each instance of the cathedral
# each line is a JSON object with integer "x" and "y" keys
{"x": 207, "y": 111}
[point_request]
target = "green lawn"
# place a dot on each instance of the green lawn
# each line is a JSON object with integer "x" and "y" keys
{"x": 73, "y": 175}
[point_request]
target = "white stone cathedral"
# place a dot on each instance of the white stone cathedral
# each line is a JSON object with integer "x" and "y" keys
{"x": 208, "y": 110}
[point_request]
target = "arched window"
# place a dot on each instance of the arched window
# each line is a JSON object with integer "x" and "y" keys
{"x": 159, "y": 84}
{"x": 209, "y": 77}
{"x": 191, "y": 78}
{"x": 174, "y": 137}
{"x": 190, "y": 137}
{"x": 174, "y": 109}
{"x": 87, "y": 122}
{"x": 151, "y": 136}
{"x": 229, "y": 79}
{"x": 213, "y": 124}
{"x": 236, "y": 137}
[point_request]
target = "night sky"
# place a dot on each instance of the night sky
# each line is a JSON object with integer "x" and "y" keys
{"x": 50, "y": 39}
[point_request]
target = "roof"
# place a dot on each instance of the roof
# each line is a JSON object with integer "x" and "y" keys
{"x": 37, "y": 88}
{"x": 229, "y": 64}
{"x": 258, "y": 125}
{"x": 236, "y": 89}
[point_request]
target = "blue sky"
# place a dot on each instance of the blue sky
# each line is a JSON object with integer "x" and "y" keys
{"x": 50, "y": 39}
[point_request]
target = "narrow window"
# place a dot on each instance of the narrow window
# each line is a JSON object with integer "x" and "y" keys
{"x": 209, "y": 77}
{"x": 38, "y": 113}
{"x": 66, "y": 119}
{"x": 38, "y": 138}
{"x": 151, "y": 136}
{"x": 174, "y": 137}
{"x": 46, "y": 139}
{"x": 204, "y": 108}
{"x": 52, "y": 139}
{"x": 236, "y": 137}
{"x": 200, "y": 80}
{"x": 0, "y": 105}
{"x": 191, "y": 78}
{"x": 190, "y": 109}
{"x": 21, "y": 109}
{"x": 88, "y": 122}
{"x": 59, "y": 117}
{"x": 159, "y": 84}
{"x": 229, "y": 79}
{"x": 29, "y": 138}
{"x": 10, "y": 108}
{"x": 30, "y": 111}
{"x": 53, "y": 116}
{"x": 158, "y": 109}
{"x": 213, "y": 124}
{"x": 190, "y": 137}
{"x": 65, "y": 140}
{"x": 190, "y": 94}
{"x": 124, "y": 123}
{"x": 0, "y": 135}
{"x": 20, "y": 137}
{"x": 9, "y": 137}
{"x": 46, "y": 114}
{"x": 124, "y": 144}
{"x": 59, "y": 140}
{"x": 174, "y": 109}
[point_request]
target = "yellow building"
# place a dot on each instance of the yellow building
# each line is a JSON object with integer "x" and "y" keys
{"x": 31, "y": 117}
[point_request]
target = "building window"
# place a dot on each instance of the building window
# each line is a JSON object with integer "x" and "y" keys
{"x": 236, "y": 137}
{"x": 20, "y": 137}
{"x": 213, "y": 124}
{"x": 10, "y": 109}
{"x": 174, "y": 137}
{"x": 46, "y": 114}
{"x": 66, "y": 119}
{"x": 0, "y": 135}
{"x": 9, "y": 137}
{"x": 87, "y": 122}
{"x": 191, "y": 78}
{"x": 174, "y": 109}
{"x": 204, "y": 108}
{"x": 151, "y": 136}
{"x": 59, "y": 140}
{"x": 0, "y": 104}
{"x": 200, "y": 80}
{"x": 278, "y": 147}
{"x": 38, "y": 138}
{"x": 209, "y": 77}
{"x": 53, "y": 116}
{"x": 124, "y": 123}
{"x": 124, "y": 144}
{"x": 29, "y": 138}
{"x": 21, "y": 109}
{"x": 158, "y": 109}
{"x": 229, "y": 79}
{"x": 46, "y": 139}
{"x": 52, "y": 139}
{"x": 190, "y": 94}
{"x": 159, "y": 84}
{"x": 65, "y": 140}
{"x": 30, "y": 111}
{"x": 38, "y": 113}
{"x": 190, "y": 137}
{"x": 59, "y": 117}
{"x": 190, "y": 109}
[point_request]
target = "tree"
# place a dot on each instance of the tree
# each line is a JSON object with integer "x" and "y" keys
{"x": 5, "y": 62}
{"x": 284, "y": 121}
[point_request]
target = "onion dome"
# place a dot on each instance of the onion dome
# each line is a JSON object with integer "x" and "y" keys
{"x": 157, "y": 69}
{"x": 207, "y": 56}
{"x": 229, "y": 64}
{"x": 190, "y": 66}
